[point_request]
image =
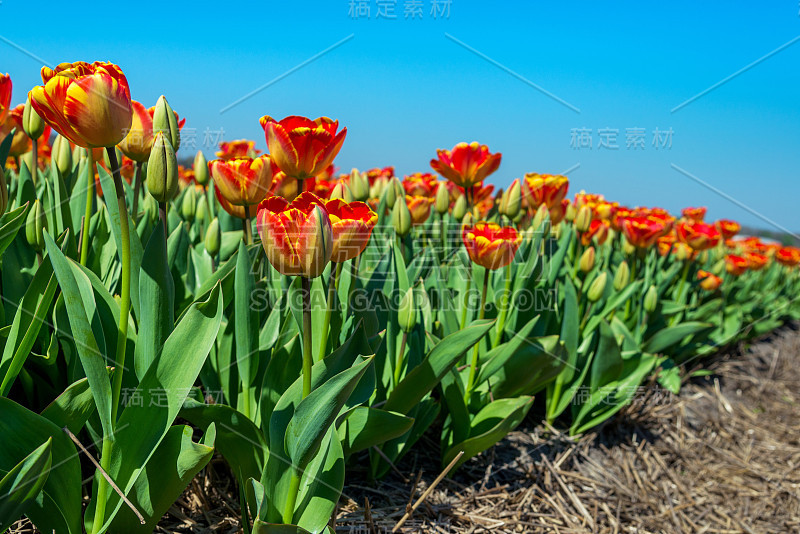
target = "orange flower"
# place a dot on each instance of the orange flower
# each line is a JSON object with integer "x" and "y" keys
{"x": 546, "y": 189}
{"x": 490, "y": 245}
{"x": 708, "y": 281}
{"x": 233, "y": 211}
{"x": 243, "y": 181}
{"x": 5, "y": 96}
{"x": 241, "y": 148}
{"x": 694, "y": 214}
{"x": 139, "y": 138}
{"x": 303, "y": 148}
{"x": 297, "y": 237}
{"x": 756, "y": 261}
{"x": 641, "y": 232}
{"x": 558, "y": 213}
{"x": 598, "y": 230}
{"x": 666, "y": 243}
{"x": 467, "y": 164}
{"x": 89, "y": 104}
{"x": 377, "y": 172}
{"x": 698, "y": 235}
{"x": 420, "y": 208}
{"x": 736, "y": 265}
{"x": 420, "y": 184}
{"x": 728, "y": 228}
{"x": 351, "y": 225}
{"x": 20, "y": 143}
{"x": 788, "y": 256}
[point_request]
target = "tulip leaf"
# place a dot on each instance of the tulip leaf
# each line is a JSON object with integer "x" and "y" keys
{"x": 366, "y": 427}
{"x": 246, "y": 322}
{"x": 669, "y": 336}
{"x": 20, "y": 486}
{"x": 321, "y": 485}
{"x": 72, "y": 408}
{"x": 607, "y": 364}
{"x": 10, "y": 223}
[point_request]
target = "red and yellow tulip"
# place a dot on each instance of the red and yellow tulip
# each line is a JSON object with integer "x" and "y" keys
{"x": 547, "y": 189}
{"x": 420, "y": 208}
{"x": 642, "y": 232}
{"x": 302, "y": 148}
{"x": 490, "y": 245}
{"x": 728, "y": 228}
{"x": 467, "y": 164}
{"x": 139, "y": 139}
{"x": 88, "y": 103}
{"x": 243, "y": 181}
{"x": 351, "y": 225}
{"x": 5, "y": 96}
{"x": 708, "y": 281}
{"x": 736, "y": 265}
{"x": 698, "y": 235}
{"x": 694, "y": 214}
{"x": 241, "y": 148}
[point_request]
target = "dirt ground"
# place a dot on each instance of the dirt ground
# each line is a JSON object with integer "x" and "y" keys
{"x": 720, "y": 457}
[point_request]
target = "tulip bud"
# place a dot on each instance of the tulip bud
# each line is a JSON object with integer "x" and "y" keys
{"x": 394, "y": 191}
{"x": 571, "y": 212}
{"x": 442, "y": 202}
{"x": 597, "y": 288}
{"x": 512, "y": 200}
{"x": 682, "y": 251}
{"x": 541, "y": 215}
{"x": 162, "y": 170}
{"x": 627, "y": 247}
{"x": 401, "y": 217}
{"x": 35, "y": 225}
{"x": 467, "y": 220}
{"x": 407, "y": 312}
{"x": 650, "y": 299}
{"x": 3, "y": 192}
{"x": 359, "y": 185}
{"x": 460, "y": 208}
{"x": 340, "y": 190}
{"x": 151, "y": 208}
{"x": 583, "y": 220}
{"x": 586, "y": 262}
{"x": 201, "y": 213}
{"x": 62, "y": 154}
{"x": 189, "y": 204}
{"x": 164, "y": 120}
{"x": 557, "y": 229}
{"x": 213, "y": 238}
{"x": 200, "y": 168}
{"x": 377, "y": 188}
{"x": 32, "y": 123}
{"x": 622, "y": 276}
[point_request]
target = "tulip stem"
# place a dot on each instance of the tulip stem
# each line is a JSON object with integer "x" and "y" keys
{"x": 137, "y": 188}
{"x": 162, "y": 214}
{"x": 291, "y": 501}
{"x": 333, "y": 284}
{"x": 399, "y": 360}
{"x": 89, "y": 199}
{"x": 501, "y": 321}
{"x": 474, "y": 364}
{"x": 248, "y": 226}
{"x": 307, "y": 338}
{"x": 35, "y": 160}
{"x": 443, "y": 231}
{"x": 465, "y": 303}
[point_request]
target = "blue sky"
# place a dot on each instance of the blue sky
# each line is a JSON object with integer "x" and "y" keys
{"x": 404, "y": 88}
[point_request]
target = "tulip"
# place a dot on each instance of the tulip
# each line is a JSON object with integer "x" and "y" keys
{"x": 241, "y": 148}
{"x": 736, "y": 265}
{"x": 586, "y": 262}
{"x": 420, "y": 184}
{"x": 642, "y": 232}
{"x": 467, "y": 164}
{"x": 189, "y": 204}
{"x": 651, "y": 299}
{"x": 359, "y": 185}
{"x": 213, "y": 238}
{"x": 571, "y": 213}
{"x": 394, "y": 190}
{"x": 341, "y": 191}
{"x": 708, "y": 281}
{"x": 420, "y": 208}
{"x": 622, "y": 276}
{"x": 165, "y": 121}
{"x": 351, "y": 227}
{"x": 583, "y": 219}
{"x": 35, "y": 224}
{"x": 698, "y": 235}
{"x": 460, "y": 208}
{"x": 301, "y": 147}
{"x": 694, "y": 214}
{"x": 442, "y": 200}
{"x": 139, "y": 138}
{"x": 200, "y": 168}
{"x": 546, "y": 189}
{"x": 401, "y": 217}
{"x": 62, "y": 154}
{"x": 243, "y": 181}
{"x": 162, "y": 171}
{"x": 5, "y": 96}
{"x": 598, "y": 231}
{"x": 407, "y": 312}
{"x": 511, "y": 202}
{"x": 490, "y": 245}
{"x": 89, "y": 104}
{"x": 32, "y": 123}
{"x": 542, "y": 215}
{"x": 728, "y": 228}
{"x": 297, "y": 237}
{"x": 598, "y": 287}
{"x": 788, "y": 256}
{"x": 756, "y": 261}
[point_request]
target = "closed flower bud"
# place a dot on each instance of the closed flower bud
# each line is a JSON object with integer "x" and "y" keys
{"x": 401, "y": 217}
{"x": 621, "y": 278}
{"x": 627, "y": 247}
{"x": 213, "y": 238}
{"x": 407, "y": 312}
{"x": 597, "y": 288}
{"x": 32, "y": 123}
{"x": 151, "y": 208}
{"x": 583, "y": 219}
{"x": 200, "y": 168}
{"x": 378, "y": 187}
{"x": 166, "y": 121}
{"x": 343, "y": 192}
{"x": 512, "y": 200}
{"x": 162, "y": 170}
{"x": 201, "y": 214}
{"x": 359, "y": 185}
{"x": 587, "y": 260}
{"x": 394, "y": 190}
{"x": 3, "y": 192}
{"x": 35, "y": 225}
{"x": 62, "y": 154}
{"x": 442, "y": 202}
{"x": 571, "y": 212}
{"x": 460, "y": 208}
{"x": 557, "y": 231}
{"x": 651, "y": 299}
{"x": 541, "y": 215}
{"x": 189, "y": 204}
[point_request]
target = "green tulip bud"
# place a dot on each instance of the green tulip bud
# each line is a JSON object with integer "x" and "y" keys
{"x": 162, "y": 170}
{"x": 165, "y": 120}
{"x": 189, "y": 204}
{"x": 401, "y": 217}
{"x": 442, "y": 202}
{"x": 3, "y": 192}
{"x": 460, "y": 208}
{"x": 359, "y": 185}
{"x": 651, "y": 299}
{"x": 511, "y": 203}
{"x": 586, "y": 262}
{"x": 627, "y": 248}
{"x": 213, "y": 238}
{"x": 542, "y": 215}
{"x": 557, "y": 229}
{"x": 394, "y": 190}
{"x": 571, "y": 212}
{"x": 35, "y": 225}
{"x": 340, "y": 190}
{"x": 378, "y": 187}
{"x": 151, "y": 208}
{"x": 407, "y": 312}
{"x": 583, "y": 220}
{"x": 62, "y": 154}
{"x": 200, "y": 168}
{"x": 597, "y": 288}
{"x": 622, "y": 276}
{"x": 202, "y": 208}
{"x": 32, "y": 123}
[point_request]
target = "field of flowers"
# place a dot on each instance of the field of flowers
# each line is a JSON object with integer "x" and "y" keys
{"x": 295, "y": 321}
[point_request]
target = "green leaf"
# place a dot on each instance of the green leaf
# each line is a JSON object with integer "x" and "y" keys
{"x": 175, "y": 462}
{"x": 20, "y": 486}
{"x": 10, "y": 223}
{"x": 664, "y": 339}
{"x": 321, "y": 485}
{"x": 423, "y": 378}
{"x": 247, "y": 320}
{"x": 669, "y": 376}
{"x": 607, "y": 364}
{"x": 72, "y": 408}
{"x": 366, "y": 427}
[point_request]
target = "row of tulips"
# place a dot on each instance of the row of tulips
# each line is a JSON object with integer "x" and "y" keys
{"x": 304, "y": 323}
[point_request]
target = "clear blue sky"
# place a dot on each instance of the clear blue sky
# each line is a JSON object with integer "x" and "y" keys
{"x": 403, "y": 88}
